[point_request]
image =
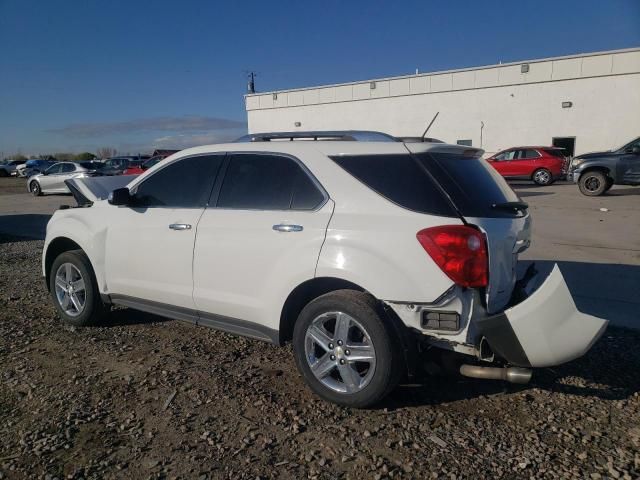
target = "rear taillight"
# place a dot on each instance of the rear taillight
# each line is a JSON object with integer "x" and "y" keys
{"x": 460, "y": 251}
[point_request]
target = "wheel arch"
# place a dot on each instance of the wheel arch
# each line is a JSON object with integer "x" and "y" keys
{"x": 598, "y": 168}
{"x": 304, "y": 293}
{"x": 56, "y": 247}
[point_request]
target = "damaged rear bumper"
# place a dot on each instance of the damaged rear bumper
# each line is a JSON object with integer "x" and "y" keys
{"x": 544, "y": 329}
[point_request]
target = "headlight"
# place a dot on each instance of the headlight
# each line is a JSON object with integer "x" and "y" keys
{"x": 576, "y": 162}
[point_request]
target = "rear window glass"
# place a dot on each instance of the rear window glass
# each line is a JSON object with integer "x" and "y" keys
{"x": 399, "y": 178}
{"x": 472, "y": 184}
{"x": 555, "y": 153}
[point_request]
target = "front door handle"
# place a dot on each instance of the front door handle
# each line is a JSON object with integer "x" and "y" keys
{"x": 287, "y": 228}
{"x": 180, "y": 226}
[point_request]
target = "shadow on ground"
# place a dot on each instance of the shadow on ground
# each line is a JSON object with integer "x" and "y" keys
{"x": 31, "y": 226}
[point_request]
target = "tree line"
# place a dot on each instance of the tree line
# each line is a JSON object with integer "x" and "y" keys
{"x": 101, "y": 153}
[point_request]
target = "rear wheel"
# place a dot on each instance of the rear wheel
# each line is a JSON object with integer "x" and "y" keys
{"x": 3, "y": 173}
{"x": 346, "y": 349}
{"x": 34, "y": 188}
{"x": 593, "y": 183}
{"x": 74, "y": 289}
{"x": 542, "y": 176}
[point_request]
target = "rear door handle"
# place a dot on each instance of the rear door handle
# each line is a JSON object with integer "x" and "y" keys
{"x": 287, "y": 228}
{"x": 180, "y": 226}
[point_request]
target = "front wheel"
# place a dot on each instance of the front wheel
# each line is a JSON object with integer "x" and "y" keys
{"x": 542, "y": 176}
{"x": 593, "y": 183}
{"x": 34, "y": 188}
{"x": 346, "y": 350}
{"x": 74, "y": 289}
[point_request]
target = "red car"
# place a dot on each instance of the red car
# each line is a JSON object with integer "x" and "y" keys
{"x": 138, "y": 169}
{"x": 543, "y": 165}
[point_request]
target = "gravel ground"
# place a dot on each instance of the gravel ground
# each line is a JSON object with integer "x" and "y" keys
{"x": 147, "y": 398}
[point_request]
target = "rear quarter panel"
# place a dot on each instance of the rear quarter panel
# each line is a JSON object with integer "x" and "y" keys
{"x": 372, "y": 242}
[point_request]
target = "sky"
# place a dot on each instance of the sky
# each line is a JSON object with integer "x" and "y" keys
{"x": 76, "y": 75}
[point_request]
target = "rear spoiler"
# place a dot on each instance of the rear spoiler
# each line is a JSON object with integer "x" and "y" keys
{"x": 87, "y": 190}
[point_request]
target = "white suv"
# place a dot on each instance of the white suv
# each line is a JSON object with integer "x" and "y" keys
{"x": 364, "y": 254}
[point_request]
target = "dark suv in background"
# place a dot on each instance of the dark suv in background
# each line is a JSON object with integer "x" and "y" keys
{"x": 597, "y": 172}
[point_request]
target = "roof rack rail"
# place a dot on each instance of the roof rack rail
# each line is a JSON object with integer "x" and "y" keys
{"x": 339, "y": 135}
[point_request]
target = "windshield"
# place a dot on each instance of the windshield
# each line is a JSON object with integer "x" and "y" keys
{"x": 631, "y": 144}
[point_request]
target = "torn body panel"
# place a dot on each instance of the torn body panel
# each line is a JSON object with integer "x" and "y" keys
{"x": 543, "y": 329}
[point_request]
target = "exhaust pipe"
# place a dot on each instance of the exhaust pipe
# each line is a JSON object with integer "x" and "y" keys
{"x": 509, "y": 374}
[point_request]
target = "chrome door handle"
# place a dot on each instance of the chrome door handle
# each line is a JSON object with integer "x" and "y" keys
{"x": 287, "y": 228}
{"x": 180, "y": 226}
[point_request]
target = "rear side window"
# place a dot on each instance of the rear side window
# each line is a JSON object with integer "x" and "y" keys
{"x": 472, "y": 184}
{"x": 257, "y": 181}
{"x": 68, "y": 168}
{"x": 186, "y": 183}
{"x": 400, "y": 179}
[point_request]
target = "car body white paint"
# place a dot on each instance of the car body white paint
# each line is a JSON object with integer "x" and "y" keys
{"x": 233, "y": 264}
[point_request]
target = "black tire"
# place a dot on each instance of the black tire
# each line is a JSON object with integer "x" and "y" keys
{"x": 609, "y": 184}
{"x": 34, "y": 188}
{"x": 593, "y": 183}
{"x": 94, "y": 310}
{"x": 542, "y": 177}
{"x": 3, "y": 173}
{"x": 366, "y": 311}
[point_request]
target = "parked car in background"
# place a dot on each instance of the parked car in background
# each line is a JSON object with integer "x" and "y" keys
{"x": 138, "y": 169}
{"x": 117, "y": 165}
{"x": 543, "y": 165}
{"x": 595, "y": 173}
{"x": 52, "y": 179}
{"x": 31, "y": 167}
{"x": 93, "y": 165}
{"x": 362, "y": 254}
{"x": 9, "y": 169}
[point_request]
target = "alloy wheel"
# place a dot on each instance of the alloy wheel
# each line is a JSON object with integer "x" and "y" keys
{"x": 340, "y": 352}
{"x": 592, "y": 184}
{"x": 542, "y": 177}
{"x": 70, "y": 289}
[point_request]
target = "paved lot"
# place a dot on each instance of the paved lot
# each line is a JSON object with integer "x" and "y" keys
{"x": 143, "y": 397}
{"x": 598, "y": 252}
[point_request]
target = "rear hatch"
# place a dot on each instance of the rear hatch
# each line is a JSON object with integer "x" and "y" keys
{"x": 483, "y": 199}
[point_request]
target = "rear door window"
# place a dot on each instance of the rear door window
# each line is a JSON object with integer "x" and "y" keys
{"x": 186, "y": 183}
{"x": 526, "y": 154}
{"x": 258, "y": 181}
{"x": 400, "y": 179}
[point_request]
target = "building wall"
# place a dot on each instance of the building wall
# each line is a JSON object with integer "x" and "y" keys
{"x": 515, "y": 108}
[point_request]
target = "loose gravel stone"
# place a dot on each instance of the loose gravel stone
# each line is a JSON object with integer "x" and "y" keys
{"x": 145, "y": 397}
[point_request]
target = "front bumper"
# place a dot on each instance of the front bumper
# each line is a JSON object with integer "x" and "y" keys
{"x": 543, "y": 330}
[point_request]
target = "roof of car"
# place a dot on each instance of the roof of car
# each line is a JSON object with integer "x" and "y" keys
{"x": 537, "y": 147}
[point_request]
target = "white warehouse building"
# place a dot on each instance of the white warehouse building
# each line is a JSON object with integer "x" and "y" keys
{"x": 581, "y": 102}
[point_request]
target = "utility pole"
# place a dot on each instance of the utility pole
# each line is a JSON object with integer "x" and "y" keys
{"x": 251, "y": 84}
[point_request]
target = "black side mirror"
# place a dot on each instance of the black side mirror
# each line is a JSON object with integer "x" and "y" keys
{"x": 635, "y": 149}
{"x": 120, "y": 196}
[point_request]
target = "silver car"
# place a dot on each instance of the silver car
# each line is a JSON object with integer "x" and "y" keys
{"x": 52, "y": 179}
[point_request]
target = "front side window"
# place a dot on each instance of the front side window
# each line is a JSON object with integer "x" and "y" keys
{"x": 508, "y": 155}
{"x": 186, "y": 183}
{"x": 256, "y": 181}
